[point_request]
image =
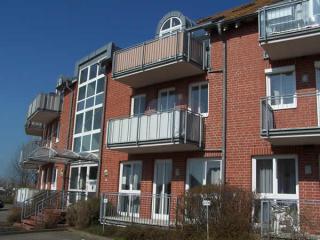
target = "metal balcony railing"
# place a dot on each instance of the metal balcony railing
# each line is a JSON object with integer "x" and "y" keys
{"x": 288, "y": 17}
{"x": 297, "y": 113}
{"x": 174, "y": 126}
{"x": 44, "y": 103}
{"x": 157, "y": 52}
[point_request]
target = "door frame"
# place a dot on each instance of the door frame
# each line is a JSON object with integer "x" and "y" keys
{"x": 317, "y": 70}
{"x": 154, "y": 185}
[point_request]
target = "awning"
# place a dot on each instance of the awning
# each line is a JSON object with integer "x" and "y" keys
{"x": 45, "y": 155}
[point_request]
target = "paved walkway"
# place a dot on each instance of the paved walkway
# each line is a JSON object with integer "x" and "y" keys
{"x": 4, "y": 213}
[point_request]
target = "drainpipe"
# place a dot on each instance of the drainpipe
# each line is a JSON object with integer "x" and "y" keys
{"x": 104, "y": 107}
{"x": 224, "y": 103}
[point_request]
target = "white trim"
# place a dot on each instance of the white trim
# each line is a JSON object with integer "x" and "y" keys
{"x": 275, "y": 194}
{"x": 133, "y": 100}
{"x": 171, "y": 28}
{"x": 121, "y": 172}
{"x": 277, "y": 70}
{"x": 54, "y": 174}
{"x": 203, "y": 160}
{"x": 317, "y": 69}
{"x": 88, "y": 181}
{"x": 199, "y": 84}
{"x": 167, "y": 90}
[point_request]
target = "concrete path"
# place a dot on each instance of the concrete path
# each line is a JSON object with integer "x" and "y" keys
{"x": 4, "y": 212}
{"x": 60, "y": 235}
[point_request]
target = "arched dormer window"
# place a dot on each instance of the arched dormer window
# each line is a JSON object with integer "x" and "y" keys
{"x": 171, "y": 25}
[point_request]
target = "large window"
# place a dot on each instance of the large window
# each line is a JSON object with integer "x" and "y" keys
{"x": 203, "y": 171}
{"x": 138, "y": 104}
{"x": 198, "y": 98}
{"x": 170, "y": 26}
{"x": 89, "y": 112}
{"x": 130, "y": 176}
{"x": 275, "y": 177}
{"x": 281, "y": 87}
{"x": 166, "y": 99}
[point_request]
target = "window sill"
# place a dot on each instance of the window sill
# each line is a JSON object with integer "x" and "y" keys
{"x": 279, "y": 107}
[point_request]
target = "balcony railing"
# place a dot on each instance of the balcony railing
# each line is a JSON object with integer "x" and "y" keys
{"x": 34, "y": 128}
{"x": 160, "y": 52}
{"x": 175, "y": 127}
{"x": 292, "y": 118}
{"x": 44, "y": 108}
{"x": 289, "y": 17}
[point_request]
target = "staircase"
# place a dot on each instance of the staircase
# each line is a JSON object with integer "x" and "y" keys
{"x": 44, "y": 210}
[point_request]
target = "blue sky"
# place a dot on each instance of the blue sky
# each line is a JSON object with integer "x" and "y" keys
{"x": 40, "y": 40}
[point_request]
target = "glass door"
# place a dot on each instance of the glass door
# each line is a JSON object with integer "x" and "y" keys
{"x": 129, "y": 196}
{"x": 162, "y": 189}
{"x": 54, "y": 175}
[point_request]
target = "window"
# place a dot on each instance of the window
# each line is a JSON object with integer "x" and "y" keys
{"x": 138, "y": 105}
{"x": 89, "y": 114}
{"x": 74, "y": 178}
{"x": 281, "y": 87}
{"x": 275, "y": 177}
{"x": 166, "y": 100}
{"x": 130, "y": 176}
{"x": 203, "y": 172}
{"x": 58, "y": 132}
{"x": 171, "y": 25}
{"x": 198, "y": 98}
{"x": 93, "y": 173}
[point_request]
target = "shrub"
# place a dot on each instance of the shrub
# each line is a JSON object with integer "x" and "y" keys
{"x": 229, "y": 214}
{"x": 14, "y": 215}
{"x": 51, "y": 219}
{"x": 83, "y": 213}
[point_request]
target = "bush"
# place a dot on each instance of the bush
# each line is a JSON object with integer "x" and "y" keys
{"x": 83, "y": 213}
{"x": 229, "y": 214}
{"x": 51, "y": 219}
{"x": 14, "y": 215}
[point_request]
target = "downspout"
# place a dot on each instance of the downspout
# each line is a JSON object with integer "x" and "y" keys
{"x": 104, "y": 107}
{"x": 224, "y": 103}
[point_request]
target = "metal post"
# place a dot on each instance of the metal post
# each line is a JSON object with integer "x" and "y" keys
{"x": 185, "y": 126}
{"x": 142, "y": 57}
{"x": 189, "y": 46}
{"x": 207, "y": 222}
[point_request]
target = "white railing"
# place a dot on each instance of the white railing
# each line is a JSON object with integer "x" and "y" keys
{"x": 172, "y": 126}
{"x": 289, "y": 17}
{"x": 156, "y": 52}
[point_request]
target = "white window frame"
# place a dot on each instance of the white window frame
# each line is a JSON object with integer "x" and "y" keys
{"x": 88, "y": 181}
{"x": 199, "y": 84}
{"x": 171, "y": 29}
{"x": 130, "y": 183}
{"x": 93, "y": 108}
{"x": 57, "y": 132}
{"x": 276, "y": 71}
{"x": 54, "y": 174}
{"x": 166, "y": 90}
{"x": 205, "y": 162}
{"x": 275, "y": 195}
{"x": 133, "y": 99}
{"x": 317, "y": 69}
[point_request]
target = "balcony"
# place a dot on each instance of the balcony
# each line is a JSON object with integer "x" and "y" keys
{"x": 290, "y": 25}
{"x": 175, "y": 130}
{"x": 162, "y": 59}
{"x": 297, "y": 125}
{"x": 34, "y": 128}
{"x": 44, "y": 108}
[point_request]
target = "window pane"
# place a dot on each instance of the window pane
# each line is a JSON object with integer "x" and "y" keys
{"x": 286, "y": 176}
{"x": 175, "y": 22}
{"x": 204, "y": 99}
{"x": 80, "y": 106}
{"x": 86, "y": 143}
{"x": 95, "y": 142}
{"x": 77, "y": 144}
{"x": 264, "y": 176}
{"x": 89, "y": 102}
{"x": 88, "y": 121}
{"x": 91, "y": 89}
{"x": 97, "y": 118}
{"x": 163, "y": 101}
{"x": 213, "y": 172}
{"x": 194, "y": 99}
{"x": 139, "y": 105}
{"x": 74, "y": 178}
{"x": 196, "y": 168}
{"x": 83, "y": 178}
{"x": 100, "y": 85}
{"x": 288, "y": 88}
{"x": 275, "y": 87}
{"x": 79, "y": 122}
{"x": 93, "y": 71}
{"x": 172, "y": 100}
{"x": 136, "y": 178}
{"x": 82, "y": 93}
{"x": 93, "y": 173}
{"x": 99, "y": 99}
{"x": 125, "y": 179}
{"x": 83, "y": 75}
{"x": 166, "y": 25}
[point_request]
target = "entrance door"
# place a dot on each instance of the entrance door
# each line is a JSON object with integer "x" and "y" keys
{"x": 162, "y": 189}
{"x": 318, "y": 93}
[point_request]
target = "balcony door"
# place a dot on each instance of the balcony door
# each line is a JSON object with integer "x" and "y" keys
{"x": 318, "y": 93}
{"x": 162, "y": 189}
